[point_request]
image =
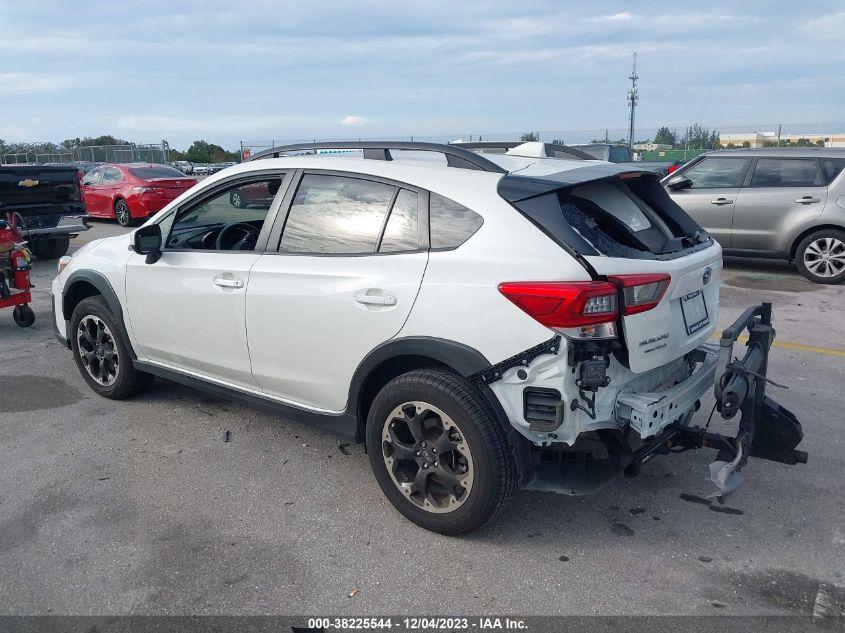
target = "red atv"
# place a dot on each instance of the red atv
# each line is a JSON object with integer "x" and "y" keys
{"x": 14, "y": 272}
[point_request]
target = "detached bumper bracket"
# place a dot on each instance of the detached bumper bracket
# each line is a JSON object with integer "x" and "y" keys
{"x": 495, "y": 372}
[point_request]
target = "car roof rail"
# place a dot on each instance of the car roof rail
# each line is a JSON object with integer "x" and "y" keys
{"x": 380, "y": 150}
{"x": 549, "y": 149}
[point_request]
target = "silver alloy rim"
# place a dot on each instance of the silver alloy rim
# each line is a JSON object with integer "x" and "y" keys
{"x": 427, "y": 457}
{"x": 121, "y": 210}
{"x": 98, "y": 350}
{"x": 825, "y": 257}
{"x": 236, "y": 199}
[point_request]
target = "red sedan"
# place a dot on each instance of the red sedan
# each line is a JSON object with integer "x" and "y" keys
{"x": 132, "y": 192}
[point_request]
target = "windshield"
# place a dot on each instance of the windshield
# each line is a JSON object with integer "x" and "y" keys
{"x": 155, "y": 171}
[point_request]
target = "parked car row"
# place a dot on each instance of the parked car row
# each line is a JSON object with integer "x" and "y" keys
{"x": 191, "y": 169}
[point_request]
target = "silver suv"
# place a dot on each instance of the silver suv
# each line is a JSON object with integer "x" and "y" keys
{"x": 782, "y": 203}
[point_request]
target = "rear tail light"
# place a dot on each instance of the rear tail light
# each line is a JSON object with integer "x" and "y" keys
{"x": 641, "y": 292}
{"x": 578, "y": 309}
{"x": 671, "y": 169}
{"x": 586, "y": 309}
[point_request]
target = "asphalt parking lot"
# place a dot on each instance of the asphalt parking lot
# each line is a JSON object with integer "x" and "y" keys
{"x": 175, "y": 502}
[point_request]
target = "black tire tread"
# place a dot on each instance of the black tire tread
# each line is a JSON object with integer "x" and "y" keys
{"x": 50, "y": 248}
{"x": 131, "y": 381}
{"x": 473, "y": 403}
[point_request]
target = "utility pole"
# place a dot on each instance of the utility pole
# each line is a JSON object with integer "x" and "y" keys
{"x": 633, "y": 97}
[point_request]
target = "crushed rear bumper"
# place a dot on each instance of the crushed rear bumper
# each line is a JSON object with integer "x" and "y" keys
{"x": 766, "y": 430}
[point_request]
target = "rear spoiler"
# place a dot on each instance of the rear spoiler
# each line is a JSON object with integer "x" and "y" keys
{"x": 514, "y": 187}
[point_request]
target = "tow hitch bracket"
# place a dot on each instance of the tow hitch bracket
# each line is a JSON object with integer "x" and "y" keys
{"x": 767, "y": 430}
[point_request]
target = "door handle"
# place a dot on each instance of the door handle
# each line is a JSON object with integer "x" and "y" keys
{"x": 721, "y": 201}
{"x": 807, "y": 200}
{"x": 381, "y": 299}
{"x": 228, "y": 282}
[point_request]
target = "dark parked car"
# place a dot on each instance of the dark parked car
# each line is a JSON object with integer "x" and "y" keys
{"x": 49, "y": 202}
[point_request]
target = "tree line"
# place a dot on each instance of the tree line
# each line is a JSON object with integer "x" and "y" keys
{"x": 200, "y": 151}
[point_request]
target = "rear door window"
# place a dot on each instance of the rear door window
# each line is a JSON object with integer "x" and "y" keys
{"x": 451, "y": 224}
{"x": 402, "y": 230}
{"x": 93, "y": 177}
{"x": 712, "y": 173}
{"x": 832, "y": 167}
{"x": 336, "y": 215}
{"x": 787, "y": 172}
{"x": 112, "y": 175}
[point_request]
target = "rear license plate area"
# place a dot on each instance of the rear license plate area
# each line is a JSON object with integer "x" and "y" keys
{"x": 694, "y": 310}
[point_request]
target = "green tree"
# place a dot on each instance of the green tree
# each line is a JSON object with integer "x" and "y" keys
{"x": 530, "y": 136}
{"x": 665, "y": 136}
{"x": 204, "y": 152}
{"x": 558, "y": 141}
{"x": 105, "y": 139}
{"x": 698, "y": 137}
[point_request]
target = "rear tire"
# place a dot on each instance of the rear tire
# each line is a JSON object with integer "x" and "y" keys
{"x": 472, "y": 477}
{"x": 101, "y": 352}
{"x": 820, "y": 256}
{"x": 122, "y": 213}
{"x": 52, "y": 248}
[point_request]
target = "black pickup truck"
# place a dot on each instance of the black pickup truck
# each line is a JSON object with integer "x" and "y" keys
{"x": 48, "y": 202}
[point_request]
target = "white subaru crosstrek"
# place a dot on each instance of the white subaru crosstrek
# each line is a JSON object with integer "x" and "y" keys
{"x": 481, "y": 323}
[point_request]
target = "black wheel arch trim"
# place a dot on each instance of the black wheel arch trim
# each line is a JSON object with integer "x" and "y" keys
{"x": 98, "y": 281}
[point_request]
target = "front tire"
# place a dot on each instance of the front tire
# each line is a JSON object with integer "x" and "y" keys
{"x": 52, "y": 248}
{"x": 439, "y": 453}
{"x": 101, "y": 353}
{"x": 820, "y": 256}
{"x": 121, "y": 212}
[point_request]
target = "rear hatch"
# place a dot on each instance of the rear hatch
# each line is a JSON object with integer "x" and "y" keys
{"x": 162, "y": 182}
{"x": 623, "y": 227}
{"x": 37, "y": 189}
{"x": 170, "y": 188}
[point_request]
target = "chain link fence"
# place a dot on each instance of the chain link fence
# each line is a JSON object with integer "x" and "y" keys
{"x": 41, "y": 153}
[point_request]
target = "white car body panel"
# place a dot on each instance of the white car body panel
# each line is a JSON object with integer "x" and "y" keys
{"x": 659, "y": 335}
{"x": 309, "y": 327}
{"x": 180, "y": 317}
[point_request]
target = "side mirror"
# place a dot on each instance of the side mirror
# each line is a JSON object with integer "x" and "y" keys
{"x": 679, "y": 182}
{"x": 147, "y": 241}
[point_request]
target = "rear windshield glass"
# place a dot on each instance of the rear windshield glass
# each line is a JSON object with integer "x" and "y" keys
{"x": 156, "y": 171}
{"x": 632, "y": 218}
{"x": 620, "y": 202}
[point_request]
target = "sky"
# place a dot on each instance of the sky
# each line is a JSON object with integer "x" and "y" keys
{"x": 257, "y": 69}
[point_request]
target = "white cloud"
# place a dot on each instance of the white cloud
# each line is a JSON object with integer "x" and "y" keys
{"x": 25, "y": 82}
{"x": 353, "y": 121}
{"x": 622, "y": 16}
{"x": 828, "y": 26}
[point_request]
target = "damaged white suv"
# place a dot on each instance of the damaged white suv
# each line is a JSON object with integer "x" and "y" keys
{"x": 482, "y": 323}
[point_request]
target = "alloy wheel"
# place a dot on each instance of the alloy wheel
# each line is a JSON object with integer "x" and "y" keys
{"x": 825, "y": 257}
{"x": 98, "y": 350}
{"x": 121, "y": 212}
{"x": 237, "y": 200}
{"x": 427, "y": 457}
